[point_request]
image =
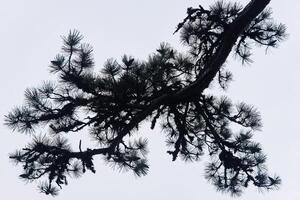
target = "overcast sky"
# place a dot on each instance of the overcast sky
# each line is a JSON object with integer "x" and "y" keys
{"x": 30, "y": 38}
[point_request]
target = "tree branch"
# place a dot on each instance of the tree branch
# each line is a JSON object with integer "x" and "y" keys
{"x": 230, "y": 36}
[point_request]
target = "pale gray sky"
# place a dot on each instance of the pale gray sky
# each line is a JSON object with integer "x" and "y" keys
{"x": 30, "y": 38}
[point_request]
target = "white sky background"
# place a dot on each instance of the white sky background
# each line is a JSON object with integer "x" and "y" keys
{"x": 30, "y": 38}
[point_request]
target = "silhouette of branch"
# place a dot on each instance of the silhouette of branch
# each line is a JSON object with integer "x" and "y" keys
{"x": 169, "y": 86}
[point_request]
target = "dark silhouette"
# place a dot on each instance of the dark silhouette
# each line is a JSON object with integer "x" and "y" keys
{"x": 169, "y": 87}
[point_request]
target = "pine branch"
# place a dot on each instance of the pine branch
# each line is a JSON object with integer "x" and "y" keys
{"x": 168, "y": 85}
